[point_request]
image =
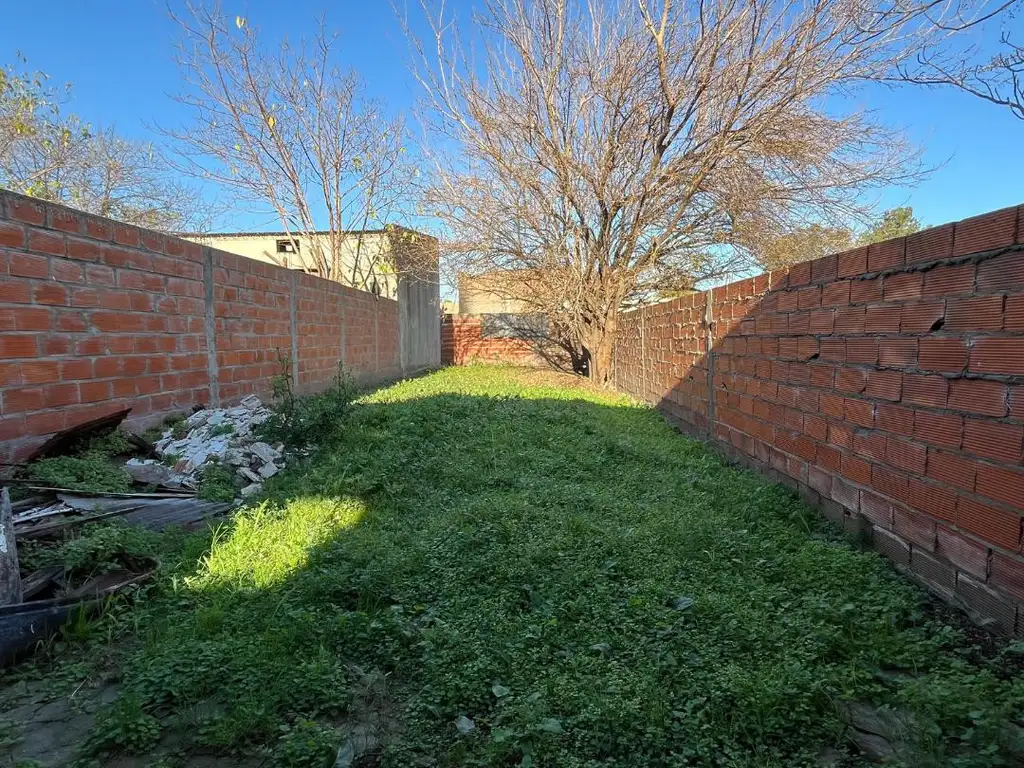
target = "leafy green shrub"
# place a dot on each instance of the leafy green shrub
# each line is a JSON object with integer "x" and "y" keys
{"x": 91, "y": 472}
{"x": 124, "y": 727}
{"x": 103, "y": 547}
{"x": 307, "y": 744}
{"x": 301, "y": 422}
{"x": 216, "y": 483}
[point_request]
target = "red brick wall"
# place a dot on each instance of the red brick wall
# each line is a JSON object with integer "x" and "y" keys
{"x": 885, "y": 383}
{"x": 462, "y": 342}
{"x": 96, "y": 316}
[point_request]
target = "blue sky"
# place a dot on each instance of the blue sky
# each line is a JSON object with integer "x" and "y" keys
{"x": 119, "y": 56}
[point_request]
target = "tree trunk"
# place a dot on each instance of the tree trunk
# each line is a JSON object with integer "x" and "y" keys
{"x": 10, "y": 576}
{"x": 601, "y": 345}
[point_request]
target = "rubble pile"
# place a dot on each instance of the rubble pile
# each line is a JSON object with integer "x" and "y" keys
{"x": 224, "y": 435}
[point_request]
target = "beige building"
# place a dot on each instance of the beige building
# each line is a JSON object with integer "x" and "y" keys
{"x": 489, "y": 294}
{"x": 368, "y": 259}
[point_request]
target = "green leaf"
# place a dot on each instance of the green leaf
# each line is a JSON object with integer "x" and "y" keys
{"x": 550, "y": 725}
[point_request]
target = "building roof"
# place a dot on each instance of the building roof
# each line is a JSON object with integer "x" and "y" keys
{"x": 302, "y": 234}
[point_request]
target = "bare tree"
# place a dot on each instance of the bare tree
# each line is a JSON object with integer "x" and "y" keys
{"x": 803, "y": 244}
{"x": 49, "y": 154}
{"x": 285, "y": 129}
{"x": 998, "y": 79}
{"x": 607, "y": 148}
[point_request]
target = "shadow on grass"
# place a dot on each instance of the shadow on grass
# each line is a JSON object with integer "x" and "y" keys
{"x": 508, "y": 575}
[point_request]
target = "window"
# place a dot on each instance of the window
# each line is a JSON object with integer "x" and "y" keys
{"x": 287, "y": 246}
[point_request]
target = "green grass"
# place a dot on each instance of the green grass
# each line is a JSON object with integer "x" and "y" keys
{"x": 500, "y": 565}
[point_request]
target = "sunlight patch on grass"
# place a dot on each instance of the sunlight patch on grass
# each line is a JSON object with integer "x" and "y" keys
{"x": 266, "y": 544}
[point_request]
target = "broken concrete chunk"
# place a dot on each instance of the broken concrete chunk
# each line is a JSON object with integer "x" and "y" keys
{"x": 249, "y": 475}
{"x": 149, "y": 471}
{"x": 249, "y": 490}
{"x": 251, "y": 402}
{"x": 264, "y": 452}
{"x": 269, "y": 469}
{"x": 235, "y": 457}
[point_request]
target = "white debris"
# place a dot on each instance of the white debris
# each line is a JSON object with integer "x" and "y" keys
{"x": 249, "y": 490}
{"x": 264, "y": 452}
{"x": 216, "y": 434}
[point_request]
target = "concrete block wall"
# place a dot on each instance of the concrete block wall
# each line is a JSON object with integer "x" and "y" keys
{"x": 96, "y": 316}
{"x": 885, "y": 383}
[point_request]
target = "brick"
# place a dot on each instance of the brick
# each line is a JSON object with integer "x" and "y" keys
{"x": 893, "y": 418}
{"x": 831, "y": 405}
{"x": 50, "y": 293}
{"x": 1008, "y": 574}
{"x": 1013, "y": 315}
{"x": 11, "y": 235}
{"x": 821, "y": 321}
{"x": 986, "y": 232}
{"x": 94, "y": 391}
{"x": 953, "y": 469}
{"x": 66, "y": 271}
{"x": 865, "y": 291}
{"x": 891, "y": 546}
{"x": 15, "y": 291}
{"x": 930, "y": 244}
{"x": 845, "y": 494}
{"x": 997, "y": 355}
{"x": 869, "y": 443}
{"x": 876, "y": 508}
{"x": 942, "y": 355}
{"x": 857, "y": 470}
{"x": 825, "y": 269}
{"x": 819, "y": 480}
{"x": 65, "y": 220}
{"x": 12, "y": 347}
{"x": 949, "y": 280}
{"x": 938, "y": 575}
{"x": 852, "y": 381}
{"x": 966, "y": 554}
{"x": 83, "y": 250}
{"x": 40, "y": 372}
{"x": 859, "y": 412}
{"x": 28, "y": 211}
{"x": 987, "y": 606}
{"x": 885, "y": 385}
{"x": 1002, "y": 273}
{"x": 60, "y": 395}
{"x": 49, "y": 243}
{"x": 1000, "y": 484}
{"x": 886, "y": 255}
{"x": 829, "y": 458}
{"x": 882, "y": 318}
{"x": 917, "y": 528}
{"x": 925, "y": 390}
{"x": 922, "y": 316}
{"x": 902, "y": 286}
{"x": 988, "y": 398}
{"x": 32, "y": 319}
{"x": 897, "y": 353}
{"x": 824, "y": 376}
{"x": 1017, "y": 402}
{"x": 799, "y": 274}
{"x": 788, "y": 301}
{"x": 809, "y": 297}
{"x": 1004, "y": 442}
{"x": 833, "y": 349}
{"x": 978, "y": 313}
{"x": 836, "y": 294}
{"x": 862, "y": 350}
{"x": 853, "y": 262}
{"x": 991, "y": 524}
{"x": 942, "y": 429}
{"x": 849, "y": 320}
{"x": 934, "y": 500}
{"x": 21, "y": 400}
{"x": 912, "y": 457}
{"x": 71, "y": 370}
{"x": 28, "y": 265}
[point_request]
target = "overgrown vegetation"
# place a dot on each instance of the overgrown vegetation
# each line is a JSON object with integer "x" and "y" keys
{"x": 91, "y": 471}
{"x": 216, "y": 483}
{"x": 534, "y": 574}
{"x": 304, "y": 422}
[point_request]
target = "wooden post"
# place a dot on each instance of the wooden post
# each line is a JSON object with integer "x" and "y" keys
{"x": 10, "y": 576}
